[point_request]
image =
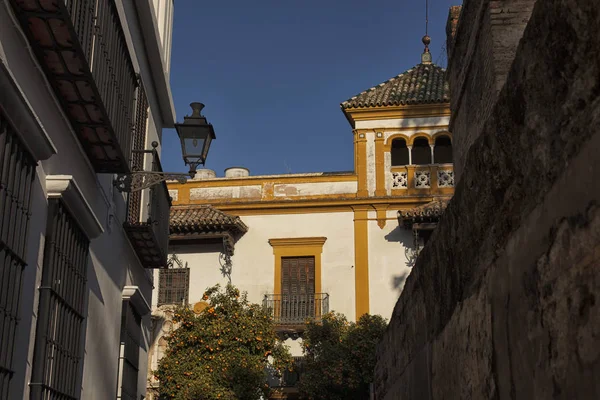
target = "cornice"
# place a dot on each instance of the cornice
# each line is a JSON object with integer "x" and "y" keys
{"x": 65, "y": 188}
{"x": 301, "y": 241}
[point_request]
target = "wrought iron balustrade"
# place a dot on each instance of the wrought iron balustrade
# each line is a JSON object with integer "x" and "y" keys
{"x": 296, "y": 309}
{"x": 81, "y": 47}
{"x": 147, "y": 222}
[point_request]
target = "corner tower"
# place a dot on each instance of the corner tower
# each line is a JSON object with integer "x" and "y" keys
{"x": 399, "y": 126}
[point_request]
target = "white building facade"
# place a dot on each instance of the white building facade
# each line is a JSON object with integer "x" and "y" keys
{"x": 84, "y": 90}
{"x": 306, "y": 244}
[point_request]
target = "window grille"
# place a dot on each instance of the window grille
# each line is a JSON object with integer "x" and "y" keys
{"x": 57, "y": 356}
{"x": 173, "y": 286}
{"x": 17, "y": 173}
{"x": 130, "y": 352}
{"x": 137, "y": 160}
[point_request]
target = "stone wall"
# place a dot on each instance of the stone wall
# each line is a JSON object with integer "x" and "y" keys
{"x": 503, "y": 302}
{"x": 481, "y": 49}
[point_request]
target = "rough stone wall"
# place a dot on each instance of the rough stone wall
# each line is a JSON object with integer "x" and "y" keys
{"x": 479, "y": 57}
{"x": 504, "y": 301}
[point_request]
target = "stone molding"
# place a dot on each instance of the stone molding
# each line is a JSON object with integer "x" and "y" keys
{"x": 65, "y": 187}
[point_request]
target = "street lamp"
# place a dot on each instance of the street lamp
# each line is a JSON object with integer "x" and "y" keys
{"x": 195, "y": 134}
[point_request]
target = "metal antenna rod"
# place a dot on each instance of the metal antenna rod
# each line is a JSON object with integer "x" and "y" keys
{"x": 426, "y": 17}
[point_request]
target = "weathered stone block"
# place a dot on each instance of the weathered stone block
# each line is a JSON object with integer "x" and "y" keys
{"x": 503, "y": 301}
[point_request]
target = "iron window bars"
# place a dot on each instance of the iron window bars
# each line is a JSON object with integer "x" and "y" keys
{"x": 17, "y": 173}
{"x": 130, "y": 352}
{"x": 57, "y": 356}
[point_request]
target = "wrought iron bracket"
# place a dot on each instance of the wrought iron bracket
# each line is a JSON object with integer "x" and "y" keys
{"x": 139, "y": 180}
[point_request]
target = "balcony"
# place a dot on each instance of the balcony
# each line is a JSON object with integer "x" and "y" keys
{"x": 292, "y": 311}
{"x": 434, "y": 179}
{"x": 81, "y": 47}
{"x": 147, "y": 223}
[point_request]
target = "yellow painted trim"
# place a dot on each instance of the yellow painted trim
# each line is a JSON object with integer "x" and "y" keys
{"x": 261, "y": 180}
{"x": 420, "y": 135}
{"x": 297, "y": 247}
{"x": 397, "y": 129}
{"x": 361, "y": 260}
{"x": 320, "y": 206}
{"x": 412, "y": 111}
{"x": 441, "y": 133}
{"x": 379, "y": 166}
{"x": 388, "y": 143}
{"x": 361, "y": 161}
{"x": 382, "y": 218}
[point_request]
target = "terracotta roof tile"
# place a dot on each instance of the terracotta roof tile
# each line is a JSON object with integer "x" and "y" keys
{"x": 430, "y": 212}
{"x": 422, "y": 84}
{"x": 204, "y": 218}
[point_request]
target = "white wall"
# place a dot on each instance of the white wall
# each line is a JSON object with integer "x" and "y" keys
{"x": 254, "y": 262}
{"x": 388, "y": 267}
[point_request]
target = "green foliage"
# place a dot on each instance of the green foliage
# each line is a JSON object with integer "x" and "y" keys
{"x": 339, "y": 357}
{"x": 223, "y": 353}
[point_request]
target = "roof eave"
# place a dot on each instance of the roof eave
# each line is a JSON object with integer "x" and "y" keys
{"x": 422, "y": 110}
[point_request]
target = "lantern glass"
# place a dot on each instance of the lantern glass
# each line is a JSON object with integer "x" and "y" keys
{"x": 196, "y": 136}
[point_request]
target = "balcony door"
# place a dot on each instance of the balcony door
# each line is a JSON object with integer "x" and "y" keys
{"x": 297, "y": 288}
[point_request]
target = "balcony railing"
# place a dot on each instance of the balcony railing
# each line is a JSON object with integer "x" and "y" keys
{"x": 147, "y": 225}
{"x": 423, "y": 179}
{"x": 296, "y": 309}
{"x": 81, "y": 47}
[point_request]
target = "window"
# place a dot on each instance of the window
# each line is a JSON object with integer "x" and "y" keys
{"x": 399, "y": 152}
{"x": 297, "y": 276}
{"x": 17, "y": 173}
{"x": 57, "y": 356}
{"x": 442, "y": 153}
{"x": 129, "y": 356}
{"x": 421, "y": 151}
{"x": 297, "y": 288}
{"x": 173, "y": 286}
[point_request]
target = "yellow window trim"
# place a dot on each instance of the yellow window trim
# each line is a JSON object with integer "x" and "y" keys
{"x": 297, "y": 247}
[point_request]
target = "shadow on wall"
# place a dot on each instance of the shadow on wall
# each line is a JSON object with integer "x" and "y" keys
{"x": 404, "y": 238}
{"x": 216, "y": 247}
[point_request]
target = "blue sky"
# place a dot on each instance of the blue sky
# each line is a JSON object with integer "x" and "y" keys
{"x": 273, "y": 73}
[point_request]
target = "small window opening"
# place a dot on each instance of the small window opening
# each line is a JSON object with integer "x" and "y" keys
{"x": 442, "y": 153}
{"x": 399, "y": 152}
{"x": 421, "y": 152}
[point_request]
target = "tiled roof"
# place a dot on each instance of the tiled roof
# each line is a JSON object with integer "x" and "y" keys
{"x": 430, "y": 212}
{"x": 202, "y": 219}
{"x": 422, "y": 84}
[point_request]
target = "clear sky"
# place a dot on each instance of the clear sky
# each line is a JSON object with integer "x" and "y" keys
{"x": 272, "y": 74}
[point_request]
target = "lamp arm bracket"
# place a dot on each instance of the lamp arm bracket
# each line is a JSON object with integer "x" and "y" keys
{"x": 140, "y": 180}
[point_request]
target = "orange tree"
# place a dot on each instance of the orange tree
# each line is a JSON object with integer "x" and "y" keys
{"x": 339, "y": 357}
{"x": 223, "y": 353}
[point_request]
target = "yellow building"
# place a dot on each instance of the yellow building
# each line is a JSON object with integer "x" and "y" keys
{"x": 309, "y": 243}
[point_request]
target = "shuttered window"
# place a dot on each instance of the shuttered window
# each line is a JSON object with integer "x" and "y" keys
{"x": 173, "y": 286}
{"x": 58, "y": 341}
{"x": 297, "y": 275}
{"x": 17, "y": 173}
{"x": 297, "y": 288}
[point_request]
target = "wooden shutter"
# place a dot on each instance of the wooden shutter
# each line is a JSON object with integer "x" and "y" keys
{"x": 297, "y": 275}
{"x": 285, "y": 276}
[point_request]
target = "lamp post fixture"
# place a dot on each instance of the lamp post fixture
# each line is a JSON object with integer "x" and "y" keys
{"x": 195, "y": 134}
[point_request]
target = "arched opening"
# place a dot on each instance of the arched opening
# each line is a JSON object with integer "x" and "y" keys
{"x": 442, "y": 153}
{"x": 399, "y": 152}
{"x": 161, "y": 348}
{"x": 421, "y": 152}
